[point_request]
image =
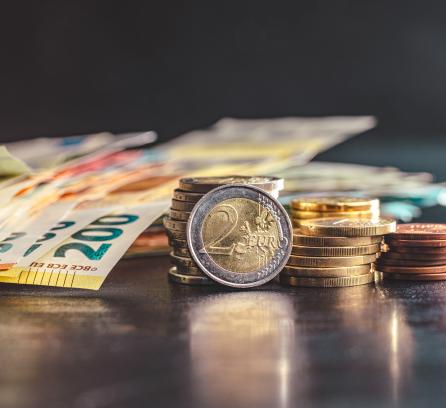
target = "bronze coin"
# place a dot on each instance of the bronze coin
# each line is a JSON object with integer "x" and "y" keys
{"x": 182, "y": 252}
{"x": 415, "y": 277}
{"x": 179, "y": 215}
{"x": 413, "y": 256}
{"x": 413, "y": 269}
{"x": 174, "y": 225}
{"x": 415, "y": 243}
{"x": 418, "y": 250}
{"x": 175, "y": 235}
{"x": 409, "y": 262}
{"x": 419, "y": 231}
{"x": 182, "y": 260}
{"x": 176, "y": 277}
{"x": 178, "y": 243}
{"x": 189, "y": 270}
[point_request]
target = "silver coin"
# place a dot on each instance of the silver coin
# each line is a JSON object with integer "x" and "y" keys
{"x": 239, "y": 235}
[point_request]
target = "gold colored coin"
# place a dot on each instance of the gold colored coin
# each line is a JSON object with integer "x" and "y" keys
{"x": 335, "y": 203}
{"x": 175, "y": 235}
{"x": 181, "y": 252}
{"x": 188, "y": 196}
{"x": 330, "y": 262}
{"x": 182, "y": 260}
{"x": 174, "y": 225}
{"x": 308, "y": 215}
{"x": 328, "y": 282}
{"x": 176, "y": 277}
{"x": 309, "y": 240}
{"x": 182, "y": 205}
{"x": 335, "y": 251}
{"x": 179, "y": 215}
{"x": 348, "y": 227}
{"x": 189, "y": 270}
{"x": 206, "y": 184}
{"x": 301, "y": 271}
{"x": 177, "y": 243}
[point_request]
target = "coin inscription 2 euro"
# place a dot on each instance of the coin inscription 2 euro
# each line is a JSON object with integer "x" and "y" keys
{"x": 239, "y": 235}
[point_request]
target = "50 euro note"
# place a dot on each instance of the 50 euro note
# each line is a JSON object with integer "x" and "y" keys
{"x": 88, "y": 255}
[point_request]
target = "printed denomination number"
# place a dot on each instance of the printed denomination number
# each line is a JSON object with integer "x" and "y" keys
{"x": 105, "y": 232}
{"x": 213, "y": 247}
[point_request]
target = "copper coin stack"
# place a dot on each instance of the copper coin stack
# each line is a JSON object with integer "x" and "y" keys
{"x": 415, "y": 252}
{"x": 184, "y": 199}
{"x": 335, "y": 252}
{"x": 314, "y": 206}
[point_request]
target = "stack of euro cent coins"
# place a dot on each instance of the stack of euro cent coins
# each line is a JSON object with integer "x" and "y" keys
{"x": 185, "y": 197}
{"x": 415, "y": 252}
{"x": 311, "y": 207}
{"x": 336, "y": 252}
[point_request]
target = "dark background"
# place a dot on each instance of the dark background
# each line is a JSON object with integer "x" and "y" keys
{"x": 84, "y": 66}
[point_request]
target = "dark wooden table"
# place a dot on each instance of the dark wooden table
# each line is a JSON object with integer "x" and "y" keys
{"x": 142, "y": 342}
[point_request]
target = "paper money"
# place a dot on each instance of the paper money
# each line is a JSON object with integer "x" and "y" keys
{"x": 11, "y": 166}
{"x": 85, "y": 259}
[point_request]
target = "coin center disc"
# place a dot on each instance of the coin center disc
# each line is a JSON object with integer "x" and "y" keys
{"x": 240, "y": 235}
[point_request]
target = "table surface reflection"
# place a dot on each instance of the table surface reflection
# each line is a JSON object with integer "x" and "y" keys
{"x": 141, "y": 341}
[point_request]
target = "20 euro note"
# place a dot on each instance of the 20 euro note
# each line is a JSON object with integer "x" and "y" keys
{"x": 85, "y": 259}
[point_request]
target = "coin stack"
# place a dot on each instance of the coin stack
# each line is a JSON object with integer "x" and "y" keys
{"x": 311, "y": 207}
{"x": 184, "y": 199}
{"x": 335, "y": 252}
{"x": 415, "y": 252}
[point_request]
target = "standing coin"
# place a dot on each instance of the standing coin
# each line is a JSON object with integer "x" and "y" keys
{"x": 348, "y": 227}
{"x": 335, "y": 203}
{"x": 336, "y": 251}
{"x": 309, "y": 240}
{"x": 205, "y": 184}
{"x": 239, "y": 235}
{"x": 420, "y": 231}
{"x": 328, "y": 282}
{"x": 330, "y": 262}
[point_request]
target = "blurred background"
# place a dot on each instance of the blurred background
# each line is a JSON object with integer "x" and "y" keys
{"x": 86, "y": 66}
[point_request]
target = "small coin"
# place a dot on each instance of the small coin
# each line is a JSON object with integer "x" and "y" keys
{"x": 335, "y": 251}
{"x": 182, "y": 205}
{"x": 182, "y": 260}
{"x": 413, "y": 256}
{"x": 176, "y": 277}
{"x": 179, "y": 215}
{"x": 335, "y": 203}
{"x": 178, "y": 243}
{"x": 330, "y": 262}
{"x": 188, "y": 196}
{"x": 415, "y": 243}
{"x": 418, "y": 231}
{"x": 414, "y": 277}
{"x": 418, "y": 250}
{"x": 239, "y": 235}
{"x": 175, "y": 225}
{"x": 308, "y": 215}
{"x": 327, "y": 272}
{"x": 189, "y": 270}
{"x": 309, "y": 240}
{"x": 205, "y": 184}
{"x": 181, "y": 252}
{"x": 412, "y": 269}
{"x": 409, "y": 262}
{"x": 328, "y": 282}
{"x": 347, "y": 227}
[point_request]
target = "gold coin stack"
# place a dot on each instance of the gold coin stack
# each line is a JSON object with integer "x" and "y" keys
{"x": 311, "y": 207}
{"x": 336, "y": 252}
{"x": 184, "y": 199}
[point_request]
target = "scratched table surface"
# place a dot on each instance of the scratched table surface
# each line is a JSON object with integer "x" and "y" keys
{"x": 142, "y": 342}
